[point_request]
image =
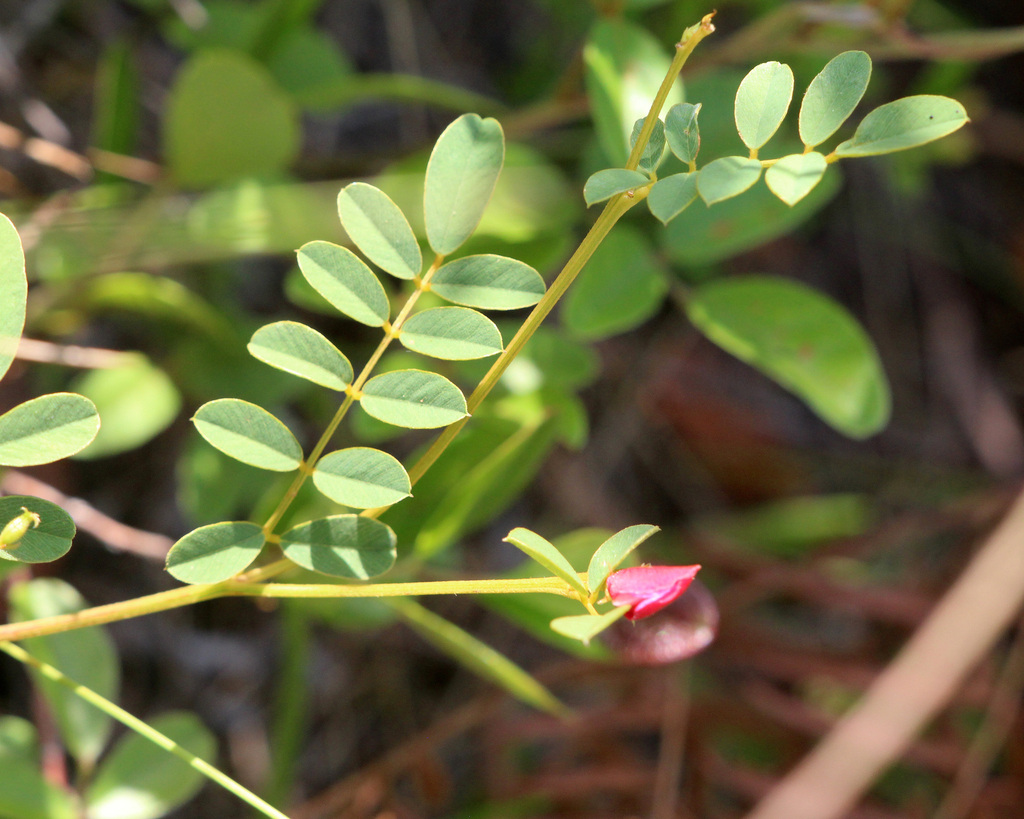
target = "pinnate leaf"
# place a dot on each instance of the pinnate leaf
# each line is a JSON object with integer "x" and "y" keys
{"x": 804, "y": 341}
{"x": 216, "y": 552}
{"x": 461, "y": 174}
{"x": 379, "y": 229}
{"x": 350, "y": 546}
{"x": 727, "y": 177}
{"x": 48, "y": 541}
{"x": 13, "y": 292}
{"x": 488, "y": 282}
{"x": 682, "y": 132}
{"x": 762, "y": 101}
{"x": 904, "y": 123}
{"x": 302, "y": 351}
{"x": 672, "y": 195}
{"x": 414, "y": 399}
{"x": 794, "y": 176}
{"x": 605, "y": 184}
{"x": 338, "y": 275}
{"x": 545, "y": 553}
{"x": 612, "y": 552}
{"x": 451, "y": 333}
{"x": 47, "y": 429}
{"x": 362, "y": 477}
{"x": 249, "y": 434}
{"x": 832, "y": 96}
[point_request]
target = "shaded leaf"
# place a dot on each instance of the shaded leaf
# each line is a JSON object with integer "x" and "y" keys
{"x": 86, "y": 655}
{"x": 24, "y": 792}
{"x": 654, "y": 150}
{"x": 215, "y": 552}
{"x": 833, "y": 95}
{"x": 477, "y": 656}
{"x": 414, "y": 399}
{"x": 461, "y": 174}
{"x": 794, "y": 176}
{"x": 904, "y": 123}
{"x": 547, "y": 555}
{"x": 362, "y": 477}
{"x": 248, "y": 433}
{"x": 13, "y": 292}
{"x": 727, "y": 177}
{"x": 585, "y": 627}
{"x": 605, "y": 184}
{"x": 451, "y": 333}
{"x": 47, "y": 429}
{"x": 338, "y": 275}
{"x": 342, "y": 546}
{"x": 488, "y": 282}
{"x": 804, "y": 341}
{"x": 612, "y": 552}
{"x": 762, "y": 101}
{"x": 672, "y": 195}
{"x": 48, "y": 541}
{"x": 682, "y": 132}
{"x": 302, "y": 351}
{"x": 379, "y": 229}
{"x": 141, "y": 780}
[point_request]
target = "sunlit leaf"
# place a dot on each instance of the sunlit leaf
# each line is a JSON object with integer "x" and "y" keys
{"x": 477, "y": 656}
{"x": 136, "y": 402}
{"x": 547, "y": 555}
{"x": 904, "y": 123}
{"x": 13, "y": 292}
{"x": 47, "y": 429}
{"x": 605, "y": 184}
{"x": 794, "y": 176}
{"x": 302, "y": 351}
{"x": 338, "y": 275}
{"x": 612, "y": 552}
{"x": 141, "y": 780}
{"x": 488, "y": 282}
{"x": 414, "y": 399}
{"x": 762, "y": 101}
{"x": 727, "y": 177}
{"x": 682, "y": 132}
{"x": 463, "y": 169}
{"x": 803, "y": 340}
{"x": 672, "y": 195}
{"x": 379, "y": 229}
{"x": 248, "y": 433}
{"x": 362, "y": 477}
{"x": 216, "y": 552}
{"x": 585, "y": 627}
{"x": 342, "y": 546}
{"x": 227, "y": 118}
{"x": 832, "y": 96}
{"x": 50, "y": 540}
{"x": 86, "y": 655}
{"x": 451, "y": 333}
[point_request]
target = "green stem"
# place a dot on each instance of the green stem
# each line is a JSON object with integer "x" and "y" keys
{"x": 417, "y": 588}
{"x": 140, "y": 727}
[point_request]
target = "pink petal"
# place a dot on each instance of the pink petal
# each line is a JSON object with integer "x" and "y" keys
{"x": 648, "y": 589}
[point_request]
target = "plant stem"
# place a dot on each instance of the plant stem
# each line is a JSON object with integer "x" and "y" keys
{"x": 140, "y": 727}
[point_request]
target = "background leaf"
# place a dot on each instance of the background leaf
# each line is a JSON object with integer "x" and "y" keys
{"x": 461, "y": 175}
{"x": 904, "y": 123}
{"x": 362, "y": 478}
{"x": 50, "y": 540}
{"x": 227, "y": 118}
{"x": 47, "y": 429}
{"x": 833, "y": 95}
{"x": 302, "y": 351}
{"x": 248, "y": 433}
{"x": 216, "y": 552}
{"x": 804, "y": 341}
{"x": 342, "y": 546}
{"x": 13, "y": 292}
{"x": 488, "y": 282}
{"x": 414, "y": 399}
{"x": 379, "y": 229}
{"x": 86, "y": 655}
{"x": 24, "y": 792}
{"x": 140, "y": 780}
{"x": 451, "y": 333}
{"x": 338, "y": 275}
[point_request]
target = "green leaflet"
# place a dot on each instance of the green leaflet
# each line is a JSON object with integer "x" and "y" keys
{"x": 48, "y": 541}
{"x": 832, "y": 96}
{"x": 338, "y": 275}
{"x": 904, "y": 123}
{"x": 762, "y": 101}
{"x": 248, "y": 433}
{"x": 414, "y": 399}
{"x": 362, "y": 477}
{"x": 727, "y": 177}
{"x": 452, "y": 334}
{"x": 605, "y": 184}
{"x": 47, "y": 429}
{"x": 795, "y": 176}
{"x": 216, "y": 552}
{"x": 379, "y": 229}
{"x": 488, "y": 282}
{"x": 302, "y": 351}
{"x": 342, "y": 546}
{"x": 13, "y": 292}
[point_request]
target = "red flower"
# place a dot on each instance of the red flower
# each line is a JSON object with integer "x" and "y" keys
{"x": 648, "y": 589}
